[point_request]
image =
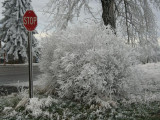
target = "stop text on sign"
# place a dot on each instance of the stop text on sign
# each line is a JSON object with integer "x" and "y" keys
{"x": 30, "y": 20}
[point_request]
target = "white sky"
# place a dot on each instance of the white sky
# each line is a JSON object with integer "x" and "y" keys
{"x": 38, "y": 6}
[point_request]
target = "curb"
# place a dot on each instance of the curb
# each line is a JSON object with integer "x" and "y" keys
{"x": 17, "y": 65}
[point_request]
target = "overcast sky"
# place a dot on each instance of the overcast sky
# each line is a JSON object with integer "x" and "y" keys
{"x": 38, "y": 6}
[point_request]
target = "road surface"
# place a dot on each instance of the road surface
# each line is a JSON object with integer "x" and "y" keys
{"x": 12, "y": 74}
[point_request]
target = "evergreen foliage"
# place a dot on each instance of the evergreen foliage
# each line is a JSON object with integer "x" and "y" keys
{"x": 13, "y": 33}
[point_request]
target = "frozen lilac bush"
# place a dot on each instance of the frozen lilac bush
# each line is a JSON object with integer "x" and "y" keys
{"x": 88, "y": 65}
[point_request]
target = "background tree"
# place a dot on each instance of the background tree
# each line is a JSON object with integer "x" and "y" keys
{"x": 13, "y": 33}
{"x": 108, "y": 13}
{"x": 139, "y": 21}
{"x": 135, "y": 18}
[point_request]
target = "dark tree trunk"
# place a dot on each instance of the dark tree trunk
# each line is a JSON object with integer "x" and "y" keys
{"x": 126, "y": 12}
{"x": 20, "y": 59}
{"x": 108, "y": 14}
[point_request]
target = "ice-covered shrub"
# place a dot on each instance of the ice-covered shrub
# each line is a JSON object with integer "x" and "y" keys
{"x": 86, "y": 64}
{"x": 36, "y": 106}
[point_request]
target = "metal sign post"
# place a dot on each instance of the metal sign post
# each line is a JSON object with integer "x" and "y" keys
{"x": 30, "y": 60}
{"x": 30, "y": 23}
{"x": 4, "y": 58}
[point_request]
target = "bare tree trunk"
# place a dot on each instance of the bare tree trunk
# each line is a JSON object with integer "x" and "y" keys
{"x": 125, "y": 3}
{"x": 108, "y": 14}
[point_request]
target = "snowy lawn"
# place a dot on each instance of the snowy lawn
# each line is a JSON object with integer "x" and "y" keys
{"x": 151, "y": 76}
{"x": 151, "y": 72}
{"x": 58, "y": 109}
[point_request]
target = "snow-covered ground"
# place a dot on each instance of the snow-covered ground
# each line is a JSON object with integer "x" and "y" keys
{"x": 151, "y": 71}
{"x": 151, "y": 75}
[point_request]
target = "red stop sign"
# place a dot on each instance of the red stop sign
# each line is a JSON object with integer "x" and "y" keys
{"x": 30, "y": 20}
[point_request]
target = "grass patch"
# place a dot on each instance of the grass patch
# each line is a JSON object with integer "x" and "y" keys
{"x": 68, "y": 110}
